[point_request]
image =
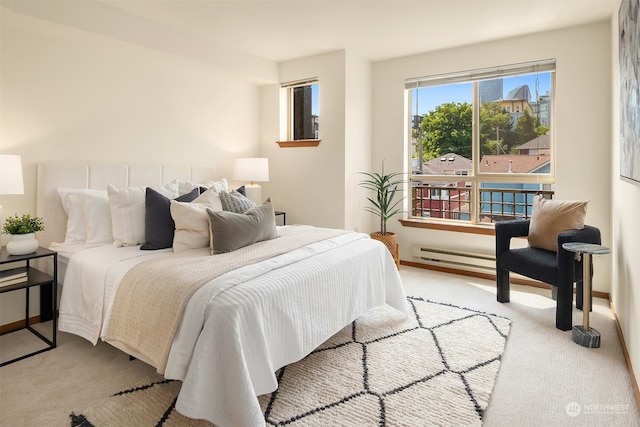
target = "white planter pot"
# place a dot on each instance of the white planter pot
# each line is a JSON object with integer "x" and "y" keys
{"x": 22, "y": 244}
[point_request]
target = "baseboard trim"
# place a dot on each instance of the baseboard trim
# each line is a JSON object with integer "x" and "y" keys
{"x": 627, "y": 359}
{"x": 488, "y": 276}
{"x": 16, "y": 326}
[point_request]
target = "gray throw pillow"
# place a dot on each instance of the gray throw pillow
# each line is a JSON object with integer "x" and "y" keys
{"x": 231, "y": 231}
{"x": 235, "y": 202}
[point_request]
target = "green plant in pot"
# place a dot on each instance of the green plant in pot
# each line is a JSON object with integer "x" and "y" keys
{"x": 22, "y": 230}
{"x": 384, "y": 205}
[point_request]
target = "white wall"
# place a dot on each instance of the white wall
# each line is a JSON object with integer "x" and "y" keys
{"x": 625, "y": 287}
{"x": 319, "y": 185}
{"x": 308, "y": 182}
{"x": 358, "y": 133}
{"x": 68, "y": 94}
{"x": 583, "y": 101}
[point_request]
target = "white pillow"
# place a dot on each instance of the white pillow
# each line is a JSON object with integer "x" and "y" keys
{"x": 75, "y": 216}
{"x": 73, "y": 205}
{"x": 97, "y": 218}
{"x": 192, "y": 221}
{"x": 218, "y": 186}
{"x": 185, "y": 187}
{"x": 127, "y": 212}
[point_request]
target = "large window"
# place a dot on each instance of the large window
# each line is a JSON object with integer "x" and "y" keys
{"x": 481, "y": 142}
{"x": 303, "y": 103}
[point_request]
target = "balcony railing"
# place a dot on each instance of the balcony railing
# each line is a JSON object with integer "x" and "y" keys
{"x": 454, "y": 202}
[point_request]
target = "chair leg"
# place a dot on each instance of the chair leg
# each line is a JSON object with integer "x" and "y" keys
{"x": 502, "y": 283}
{"x": 564, "y": 308}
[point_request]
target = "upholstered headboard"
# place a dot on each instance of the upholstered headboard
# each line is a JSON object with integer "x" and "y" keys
{"x": 97, "y": 176}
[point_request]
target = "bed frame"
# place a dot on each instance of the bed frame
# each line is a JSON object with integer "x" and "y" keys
{"x": 239, "y": 401}
{"x": 96, "y": 176}
{"x": 52, "y": 176}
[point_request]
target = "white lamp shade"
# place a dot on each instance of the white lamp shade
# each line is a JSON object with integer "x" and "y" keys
{"x": 251, "y": 169}
{"x": 11, "y": 174}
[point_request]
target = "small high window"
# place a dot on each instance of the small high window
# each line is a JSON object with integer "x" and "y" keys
{"x": 302, "y": 110}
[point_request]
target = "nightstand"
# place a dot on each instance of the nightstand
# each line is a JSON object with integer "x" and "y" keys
{"x": 284, "y": 216}
{"x": 48, "y": 292}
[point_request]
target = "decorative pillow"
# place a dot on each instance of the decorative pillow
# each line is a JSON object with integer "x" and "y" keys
{"x": 231, "y": 231}
{"x": 74, "y": 208}
{"x": 127, "y": 212}
{"x": 242, "y": 190}
{"x": 191, "y": 221}
{"x": 551, "y": 217}
{"x": 218, "y": 186}
{"x": 159, "y": 226}
{"x": 97, "y": 218}
{"x": 187, "y": 186}
{"x": 236, "y": 202}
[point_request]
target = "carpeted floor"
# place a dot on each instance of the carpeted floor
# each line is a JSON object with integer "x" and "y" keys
{"x": 545, "y": 379}
{"x": 383, "y": 369}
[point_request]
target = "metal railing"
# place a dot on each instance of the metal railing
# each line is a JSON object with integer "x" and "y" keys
{"x": 454, "y": 202}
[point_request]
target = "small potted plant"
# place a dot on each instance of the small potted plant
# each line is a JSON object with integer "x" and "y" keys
{"x": 22, "y": 230}
{"x": 384, "y": 205}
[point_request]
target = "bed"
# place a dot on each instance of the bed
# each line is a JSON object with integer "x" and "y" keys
{"x": 249, "y": 310}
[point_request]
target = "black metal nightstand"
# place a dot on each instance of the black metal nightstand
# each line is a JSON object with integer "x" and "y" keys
{"x": 48, "y": 293}
{"x": 284, "y": 216}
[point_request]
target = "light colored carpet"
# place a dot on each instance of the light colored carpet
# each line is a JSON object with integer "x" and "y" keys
{"x": 542, "y": 371}
{"x": 383, "y": 369}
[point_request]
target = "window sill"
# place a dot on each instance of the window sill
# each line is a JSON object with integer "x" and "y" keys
{"x": 299, "y": 143}
{"x": 449, "y": 226}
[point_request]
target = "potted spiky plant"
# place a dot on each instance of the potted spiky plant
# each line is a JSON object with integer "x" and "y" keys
{"x": 385, "y": 186}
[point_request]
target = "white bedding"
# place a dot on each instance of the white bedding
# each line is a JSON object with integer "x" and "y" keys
{"x": 90, "y": 284}
{"x": 231, "y": 342}
{"x": 65, "y": 252}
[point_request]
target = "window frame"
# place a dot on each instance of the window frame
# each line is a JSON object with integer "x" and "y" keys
{"x": 475, "y": 178}
{"x": 288, "y": 122}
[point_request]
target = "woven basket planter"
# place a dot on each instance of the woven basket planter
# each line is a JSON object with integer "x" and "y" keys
{"x": 390, "y": 242}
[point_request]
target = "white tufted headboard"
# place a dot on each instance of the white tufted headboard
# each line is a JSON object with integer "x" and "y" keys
{"x": 52, "y": 176}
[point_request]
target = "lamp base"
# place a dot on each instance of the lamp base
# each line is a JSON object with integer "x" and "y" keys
{"x": 254, "y": 193}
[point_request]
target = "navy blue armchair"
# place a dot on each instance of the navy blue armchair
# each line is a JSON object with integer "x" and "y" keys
{"x": 559, "y": 269}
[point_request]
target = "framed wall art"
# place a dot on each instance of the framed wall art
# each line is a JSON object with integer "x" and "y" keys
{"x": 629, "y": 25}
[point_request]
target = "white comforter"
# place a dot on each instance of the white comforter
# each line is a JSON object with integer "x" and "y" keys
{"x": 268, "y": 315}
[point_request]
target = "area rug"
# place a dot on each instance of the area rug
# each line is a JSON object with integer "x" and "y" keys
{"x": 437, "y": 368}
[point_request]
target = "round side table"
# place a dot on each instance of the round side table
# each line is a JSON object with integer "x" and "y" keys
{"x": 583, "y": 334}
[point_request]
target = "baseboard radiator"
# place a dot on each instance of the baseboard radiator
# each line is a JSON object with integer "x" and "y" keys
{"x": 456, "y": 260}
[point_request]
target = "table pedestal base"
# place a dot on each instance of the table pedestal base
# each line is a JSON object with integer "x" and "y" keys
{"x": 589, "y": 338}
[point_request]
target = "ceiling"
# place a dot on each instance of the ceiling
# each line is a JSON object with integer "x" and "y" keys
{"x": 283, "y": 30}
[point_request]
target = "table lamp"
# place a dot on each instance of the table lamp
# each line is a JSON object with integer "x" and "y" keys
{"x": 10, "y": 175}
{"x": 252, "y": 169}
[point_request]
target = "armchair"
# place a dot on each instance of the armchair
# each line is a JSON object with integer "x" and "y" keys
{"x": 559, "y": 269}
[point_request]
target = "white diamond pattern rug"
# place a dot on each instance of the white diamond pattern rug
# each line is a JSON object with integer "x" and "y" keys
{"x": 436, "y": 367}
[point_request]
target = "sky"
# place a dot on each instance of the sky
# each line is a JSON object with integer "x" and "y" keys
{"x": 314, "y": 100}
{"x": 431, "y": 97}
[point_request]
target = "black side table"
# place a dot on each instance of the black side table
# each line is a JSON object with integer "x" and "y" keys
{"x": 284, "y": 216}
{"x": 583, "y": 334}
{"x": 48, "y": 293}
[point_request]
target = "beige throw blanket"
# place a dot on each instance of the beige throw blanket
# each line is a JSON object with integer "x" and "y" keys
{"x": 151, "y": 297}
